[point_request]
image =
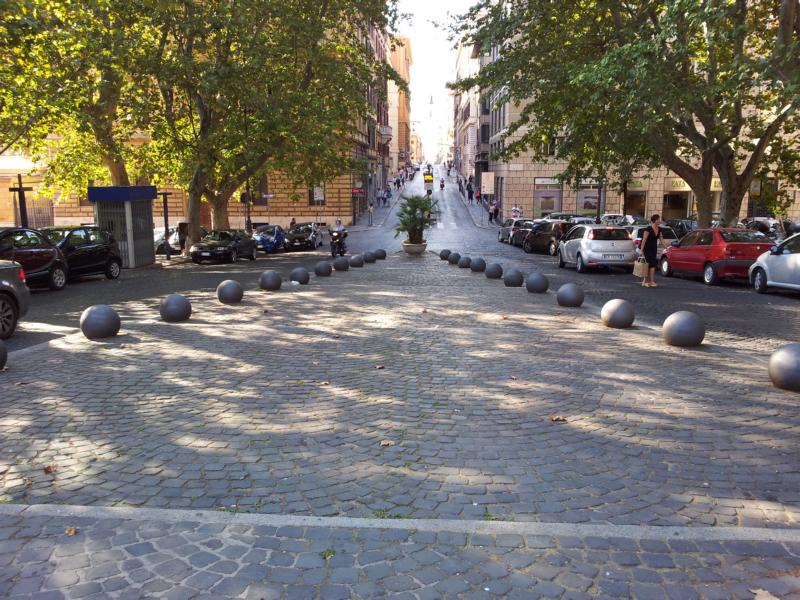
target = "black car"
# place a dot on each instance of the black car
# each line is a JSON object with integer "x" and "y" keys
{"x": 88, "y": 250}
{"x": 682, "y": 226}
{"x": 43, "y": 262}
{"x": 303, "y": 235}
{"x": 544, "y": 237}
{"x": 225, "y": 245}
{"x": 519, "y": 235}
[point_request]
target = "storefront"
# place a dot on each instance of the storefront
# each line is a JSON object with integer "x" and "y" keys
{"x": 547, "y": 196}
{"x": 588, "y": 200}
{"x": 635, "y": 202}
{"x": 677, "y": 199}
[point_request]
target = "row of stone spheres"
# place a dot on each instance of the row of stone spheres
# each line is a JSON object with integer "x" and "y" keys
{"x": 683, "y": 329}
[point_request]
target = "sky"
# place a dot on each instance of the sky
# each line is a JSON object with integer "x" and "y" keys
{"x": 433, "y": 66}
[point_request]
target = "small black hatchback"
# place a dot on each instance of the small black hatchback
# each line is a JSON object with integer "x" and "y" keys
{"x": 87, "y": 249}
{"x": 43, "y": 262}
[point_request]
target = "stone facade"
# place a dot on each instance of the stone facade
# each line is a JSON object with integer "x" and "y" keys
{"x": 400, "y": 107}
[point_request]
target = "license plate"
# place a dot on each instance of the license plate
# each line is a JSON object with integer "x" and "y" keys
{"x": 205, "y": 254}
{"x": 613, "y": 256}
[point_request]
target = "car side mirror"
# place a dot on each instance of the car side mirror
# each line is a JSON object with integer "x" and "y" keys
{"x": 676, "y": 243}
{"x": 773, "y": 250}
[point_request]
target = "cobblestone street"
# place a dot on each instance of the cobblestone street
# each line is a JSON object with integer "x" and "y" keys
{"x": 408, "y": 389}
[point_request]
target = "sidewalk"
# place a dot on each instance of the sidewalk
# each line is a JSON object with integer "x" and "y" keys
{"x": 478, "y": 211}
{"x": 389, "y": 431}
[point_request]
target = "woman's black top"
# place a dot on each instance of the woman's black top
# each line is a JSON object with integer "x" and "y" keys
{"x": 650, "y": 249}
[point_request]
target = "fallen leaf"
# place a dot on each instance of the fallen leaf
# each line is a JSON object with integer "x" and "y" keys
{"x": 49, "y": 469}
{"x": 505, "y": 317}
{"x": 763, "y": 595}
{"x": 70, "y": 531}
{"x": 513, "y": 378}
{"x": 337, "y": 336}
{"x": 424, "y": 311}
{"x": 22, "y": 383}
{"x": 379, "y": 367}
{"x": 387, "y": 443}
{"x": 325, "y": 383}
{"x": 266, "y": 310}
{"x": 558, "y": 419}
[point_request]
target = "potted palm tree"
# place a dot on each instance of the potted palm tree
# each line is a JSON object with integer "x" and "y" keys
{"x": 413, "y": 219}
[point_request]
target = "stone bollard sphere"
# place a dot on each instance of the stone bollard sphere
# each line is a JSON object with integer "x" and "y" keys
{"x": 357, "y": 261}
{"x": 230, "y": 292}
{"x": 618, "y": 314}
{"x": 684, "y": 328}
{"x": 454, "y": 258}
{"x": 100, "y": 321}
{"x": 300, "y": 275}
{"x": 380, "y": 254}
{"x": 445, "y": 254}
{"x": 513, "y": 278}
{"x": 464, "y": 262}
{"x": 478, "y": 265}
{"x": 270, "y": 281}
{"x": 784, "y": 367}
{"x": 3, "y": 355}
{"x": 340, "y": 263}
{"x": 323, "y": 269}
{"x": 537, "y": 283}
{"x": 175, "y": 308}
{"x": 369, "y": 257}
{"x": 570, "y": 295}
{"x": 494, "y": 271}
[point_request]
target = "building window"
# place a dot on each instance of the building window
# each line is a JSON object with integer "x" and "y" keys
{"x": 316, "y": 196}
{"x": 485, "y": 134}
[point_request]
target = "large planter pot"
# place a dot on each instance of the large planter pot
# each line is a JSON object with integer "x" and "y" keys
{"x": 414, "y": 249}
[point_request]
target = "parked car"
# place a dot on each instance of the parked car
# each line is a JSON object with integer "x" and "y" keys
{"x": 509, "y": 228}
{"x": 682, "y": 226}
{"x": 519, "y": 235}
{"x": 715, "y": 253}
{"x": 88, "y": 250}
{"x": 14, "y": 297}
{"x": 637, "y": 233}
{"x": 779, "y": 267}
{"x": 546, "y": 236}
{"x": 224, "y": 244}
{"x": 270, "y": 238}
{"x": 44, "y": 264}
{"x": 587, "y": 246}
{"x": 561, "y": 216}
{"x": 303, "y": 235}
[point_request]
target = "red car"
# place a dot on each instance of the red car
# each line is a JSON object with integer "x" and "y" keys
{"x": 715, "y": 254}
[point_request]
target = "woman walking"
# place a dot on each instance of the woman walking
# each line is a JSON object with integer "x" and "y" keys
{"x": 650, "y": 240}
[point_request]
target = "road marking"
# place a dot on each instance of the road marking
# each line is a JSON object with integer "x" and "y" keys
{"x": 581, "y": 530}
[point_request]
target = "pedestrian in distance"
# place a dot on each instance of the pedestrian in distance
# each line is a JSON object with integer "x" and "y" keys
{"x": 388, "y": 197}
{"x": 470, "y": 192}
{"x": 370, "y": 209}
{"x": 650, "y": 240}
{"x": 515, "y": 212}
{"x": 491, "y": 212}
{"x": 496, "y": 211}
{"x": 292, "y": 223}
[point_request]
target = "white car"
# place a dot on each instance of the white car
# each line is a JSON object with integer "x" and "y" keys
{"x": 587, "y": 246}
{"x": 779, "y": 267}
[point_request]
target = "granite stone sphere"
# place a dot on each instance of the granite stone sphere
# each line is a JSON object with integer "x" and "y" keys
{"x": 684, "y": 328}
{"x": 464, "y": 262}
{"x": 478, "y": 265}
{"x": 537, "y": 283}
{"x": 357, "y": 261}
{"x": 270, "y": 281}
{"x": 618, "y": 314}
{"x": 784, "y": 367}
{"x": 369, "y": 257}
{"x": 300, "y": 275}
{"x": 100, "y": 321}
{"x": 494, "y": 271}
{"x": 341, "y": 263}
{"x": 175, "y": 308}
{"x": 380, "y": 254}
{"x": 3, "y": 355}
{"x": 513, "y": 278}
{"x": 454, "y": 258}
{"x": 445, "y": 254}
{"x": 323, "y": 269}
{"x": 570, "y": 295}
{"x": 230, "y": 292}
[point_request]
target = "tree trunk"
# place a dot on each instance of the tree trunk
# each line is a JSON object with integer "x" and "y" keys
{"x": 219, "y": 211}
{"x": 196, "y": 188}
{"x": 704, "y": 199}
{"x": 733, "y": 188}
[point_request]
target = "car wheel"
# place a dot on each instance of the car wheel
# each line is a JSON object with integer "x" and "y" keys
{"x": 113, "y": 269}
{"x": 196, "y": 260}
{"x": 58, "y": 278}
{"x": 553, "y": 249}
{"x": 500, "y": 236}
{"x": 760, "y": 281}
{"x": 252, "y": 254}
{"x": 710, "y": 275}
{"x": 527, "y": 247}
{"x": 8, "y": 317}
{"x": 234, "y": 256}
{"x": 666, "y": 270}
{"x": 580, "y": 265}
{"x": 561, "y": 263}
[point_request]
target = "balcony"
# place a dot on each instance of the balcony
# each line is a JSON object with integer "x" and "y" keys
{"x": 385, "y": 134}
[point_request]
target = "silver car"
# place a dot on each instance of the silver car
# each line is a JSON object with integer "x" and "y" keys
{"x": 14, "y": 297}
{"x": 588, "y": 246}
{"x": 780, "y": 267}
{"x": 637, "y": 233}
{"x": 509, "y": 228}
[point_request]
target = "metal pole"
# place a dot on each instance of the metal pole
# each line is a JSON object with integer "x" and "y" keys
{"x": 167, "y": 246}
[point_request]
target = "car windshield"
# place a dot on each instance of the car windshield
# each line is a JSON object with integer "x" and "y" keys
{"x": 607, "y": 235}
{"x": 304, "y": 228}
{"x": 266, "y": 230}
{"x": 743, "y": 236}
{"x": 219, "y": 236}
{"x": 56, "y": 235}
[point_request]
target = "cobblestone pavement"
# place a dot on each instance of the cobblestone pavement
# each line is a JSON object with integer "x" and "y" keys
{"x": 159, "y": 554}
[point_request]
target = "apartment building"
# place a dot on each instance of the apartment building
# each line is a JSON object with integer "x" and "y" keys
{"x": 400, "y": 106}
{"x": 466, "y": 109}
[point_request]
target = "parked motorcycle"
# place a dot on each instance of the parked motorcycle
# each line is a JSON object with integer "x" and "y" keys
{"x": 338, "y": 245}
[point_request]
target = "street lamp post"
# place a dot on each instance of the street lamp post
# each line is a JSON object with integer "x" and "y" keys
{"x": 167, "y": 247}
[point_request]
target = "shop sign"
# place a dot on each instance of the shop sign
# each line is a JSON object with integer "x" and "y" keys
{"x": 487, "y": 186}
{"x": 678, "y": 185}
{"x": 357, "y": 191}
{"x": 636, "y": 184}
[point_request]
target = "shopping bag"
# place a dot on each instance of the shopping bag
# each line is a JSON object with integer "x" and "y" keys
{"x": 641, "y": 268}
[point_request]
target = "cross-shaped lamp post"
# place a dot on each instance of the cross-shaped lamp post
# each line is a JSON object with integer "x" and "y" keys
{"x": 23, "y": 206}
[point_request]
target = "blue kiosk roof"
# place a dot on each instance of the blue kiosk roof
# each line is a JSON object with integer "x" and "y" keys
{"x": 122, "y": 193}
